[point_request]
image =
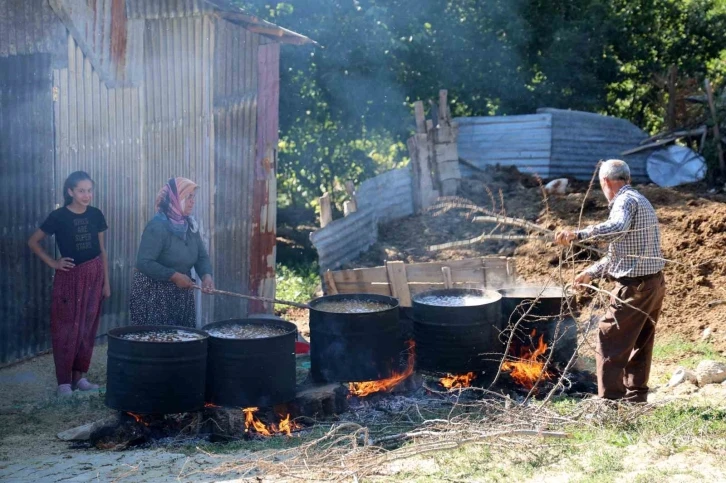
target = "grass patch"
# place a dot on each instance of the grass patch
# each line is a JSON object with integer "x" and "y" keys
{"x": 296, "y": 283}
{"x": 684, "y": 352}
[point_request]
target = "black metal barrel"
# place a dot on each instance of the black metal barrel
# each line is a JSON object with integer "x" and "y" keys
{"x": 541, "y": 311}
{"x": 252, "y": 372}
{"x": 155, "y": 377}
{"x": 349, "y": 347}
{"x": 458, "y": 339}
{"x": 531, "y": 302}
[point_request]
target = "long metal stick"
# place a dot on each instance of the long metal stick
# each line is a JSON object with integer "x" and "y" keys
{"x": 253, "y": 297}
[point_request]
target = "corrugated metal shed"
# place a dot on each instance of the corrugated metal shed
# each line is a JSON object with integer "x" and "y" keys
{"x": 235, "y": 125}
{"x": 581, "y": 139}
{"x": 174, "y": 88}
{"x": 385, "y": 197}
{"x": 552, "y": 143}
{"x": 27, "y": 195}
{"x": 29, "y": 27}
{"x": 521, "y": 141}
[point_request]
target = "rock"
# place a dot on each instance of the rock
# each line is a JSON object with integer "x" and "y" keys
{"x": 710, "y": 372}
{"x": 557, "y": 186}
{"x": 706, "y": 333}
{"x": 680, "y": 376}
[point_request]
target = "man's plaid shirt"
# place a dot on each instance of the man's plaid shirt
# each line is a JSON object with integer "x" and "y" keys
{"x": 634, "y": 236}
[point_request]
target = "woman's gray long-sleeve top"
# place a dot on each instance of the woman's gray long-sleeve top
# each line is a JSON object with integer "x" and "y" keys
{"x": 161, "y": 253}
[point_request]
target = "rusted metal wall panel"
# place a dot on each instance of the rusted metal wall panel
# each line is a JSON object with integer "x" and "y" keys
{"x": 27, "y": 189}
{"x": 157, "y": 9}
{"x": 100, "y": 130}
{"x": 179, "y": 123}
{"x": 29, "y": 27}
{"x": 264, "y": 191}
{"x": 235, "y": 124}
{"x": 107, "y": 37}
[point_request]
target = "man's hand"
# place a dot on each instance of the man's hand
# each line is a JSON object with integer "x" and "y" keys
{"x": 207, "y": 284}
{"x": 565, "y": 237}
{"x": 582, "y": 278}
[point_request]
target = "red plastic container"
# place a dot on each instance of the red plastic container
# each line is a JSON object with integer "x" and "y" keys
{"x": 302, "y": 347}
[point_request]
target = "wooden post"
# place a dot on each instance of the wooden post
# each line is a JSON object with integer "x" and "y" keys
{"x": 446, "y": 152}
{"x": 421, "y": 154}
{"x": 418, "y": 110}
{"x": 446, "y": 271}
{"x": 671, "y": 110}
{"x": 717, "y": 136}
{"x": 326, "y": 212}
{"x": 330, "y": 283}
{"x": 350, "y": 206}
{"x": 399, "y": 282}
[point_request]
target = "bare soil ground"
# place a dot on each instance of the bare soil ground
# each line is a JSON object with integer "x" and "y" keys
{"x": 693, "y": 226}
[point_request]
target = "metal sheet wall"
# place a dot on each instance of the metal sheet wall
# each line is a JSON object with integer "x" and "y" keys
{"x": 263, "y": 211}
{"x": 179, "y": 124}
{"x": 26, "y": 198}
{"x": 29, "y": 27}
{"x": 100, "y": 130}
{"x": 521, "y": 141}
{"x": 581, "y": 139}
{"x": 107, "y": 37}
{"x": 235, "y": 125}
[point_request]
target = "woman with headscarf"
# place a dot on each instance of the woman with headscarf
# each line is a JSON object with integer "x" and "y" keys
{"x": 170, "y": 246}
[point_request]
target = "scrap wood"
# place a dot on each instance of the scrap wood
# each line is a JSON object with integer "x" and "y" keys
{"x": 673, "y": 135}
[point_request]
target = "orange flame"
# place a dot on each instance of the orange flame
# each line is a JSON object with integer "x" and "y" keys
{"x": 528, "y": 369}
{"x": 251, "y": 422}
{"x": 455, "y": 382}
{"x": 362, "y": 389}
{"x": 139, "y": 418}
{"x": 211, "y": 405}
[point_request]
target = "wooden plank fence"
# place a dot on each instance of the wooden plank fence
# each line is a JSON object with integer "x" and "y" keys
{"x": 403, "y": 281}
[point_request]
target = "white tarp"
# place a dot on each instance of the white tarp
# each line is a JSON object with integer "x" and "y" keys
{"x": 675, "y": 165}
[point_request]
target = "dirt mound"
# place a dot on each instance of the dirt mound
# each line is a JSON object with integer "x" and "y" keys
{"x": 693, "y": 226}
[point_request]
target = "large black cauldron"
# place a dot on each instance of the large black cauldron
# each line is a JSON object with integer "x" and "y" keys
{"x": 251, "y": 372}
{"x": 349, "y": 347}
{"x": 544, "y": 310}
{"x": 155, "y": 377}
{"x": 458, "y": 339}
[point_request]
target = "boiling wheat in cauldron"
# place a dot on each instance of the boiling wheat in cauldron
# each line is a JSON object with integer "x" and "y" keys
{"x": 247, "y": 331}
{"x": 463, "y": 300}
{"x": 351, "y": 306}
{"x": 162, "y": 335}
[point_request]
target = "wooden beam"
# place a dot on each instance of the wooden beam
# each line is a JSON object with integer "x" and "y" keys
{"x": 446, "y": 272}
{"x": 418, "y": 110}
{"x": 443, "y": 107}
{"x": 351, "y": 206}
{"x": 398, "y": 282}
{"x": 326, "y": 211}
{"x": 717, "y": 136}
{"x": 330, "y": 283}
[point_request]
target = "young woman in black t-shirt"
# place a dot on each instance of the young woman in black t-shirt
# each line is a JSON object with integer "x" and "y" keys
{"x": 80, "y": 283}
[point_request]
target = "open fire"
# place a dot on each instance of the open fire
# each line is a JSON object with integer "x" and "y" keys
{"x": 139, "y": 418}
{"x": 252, "y": 423}
{"x": 362, "y": 389}
{"x": 457, "y": 381}
{"x": 530, "y": 367}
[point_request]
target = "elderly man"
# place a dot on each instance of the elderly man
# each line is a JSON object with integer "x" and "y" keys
{"x": 634, "y": 261}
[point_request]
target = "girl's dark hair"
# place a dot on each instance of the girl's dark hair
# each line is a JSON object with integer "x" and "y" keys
{"x": 71, "y": 182}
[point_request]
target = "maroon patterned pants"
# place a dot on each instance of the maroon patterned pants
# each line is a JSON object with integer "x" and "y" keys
{"x": 74, "y": 317}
